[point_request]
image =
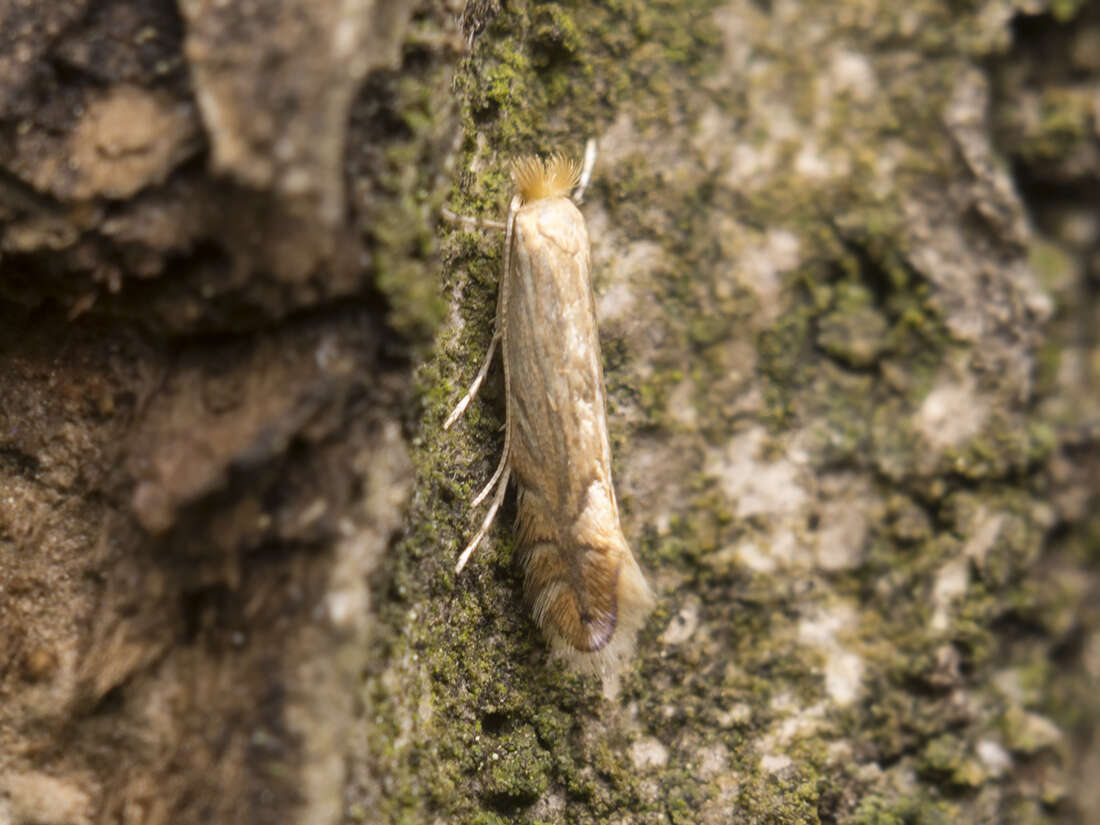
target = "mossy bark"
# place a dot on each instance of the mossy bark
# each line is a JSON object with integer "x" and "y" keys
{"x": 842, "y": 438}
{"x": 845, "y": 263}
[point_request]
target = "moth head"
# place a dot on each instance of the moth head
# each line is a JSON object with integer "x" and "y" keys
{"x": 552, "y": 177}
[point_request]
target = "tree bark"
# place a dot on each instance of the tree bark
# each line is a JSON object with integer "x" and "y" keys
{"x": 845, "y": 257}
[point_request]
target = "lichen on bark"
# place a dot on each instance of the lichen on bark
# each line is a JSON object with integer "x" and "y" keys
{"x": 844, "y": 258}
{"x": 823, "y": 334}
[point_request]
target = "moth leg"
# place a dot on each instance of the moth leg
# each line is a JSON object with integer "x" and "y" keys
{"x": 586, "y": 169}
{"x": 485, "y": 525}
{"x": 501, "y": 467}
{"x": 474, "y": 387}
{"x": 503, "y": 472}
{"x": 502, "y": 330}
{"x": 481, "y": 223}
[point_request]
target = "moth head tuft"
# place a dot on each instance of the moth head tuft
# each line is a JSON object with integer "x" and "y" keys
{"x": 553, "y": 177}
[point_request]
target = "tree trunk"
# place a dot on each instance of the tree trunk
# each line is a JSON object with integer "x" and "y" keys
{"x": 845, "y": 258}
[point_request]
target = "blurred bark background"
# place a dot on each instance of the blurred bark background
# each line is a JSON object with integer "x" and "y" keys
{"x": 847, "y": 258}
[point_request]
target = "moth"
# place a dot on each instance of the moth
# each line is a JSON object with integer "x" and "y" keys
{"x": 586, "y": 591}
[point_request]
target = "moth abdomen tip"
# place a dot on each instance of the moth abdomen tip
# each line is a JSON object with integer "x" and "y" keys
{"x": 591, "y": 621}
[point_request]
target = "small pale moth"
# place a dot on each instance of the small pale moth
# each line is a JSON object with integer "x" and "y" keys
{"x": 584, "y": 586}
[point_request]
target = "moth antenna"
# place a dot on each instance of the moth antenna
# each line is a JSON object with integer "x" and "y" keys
{"x": 480, "y": 223}
{"x": 471, "y": 393}
{"x": 586, "y": 169}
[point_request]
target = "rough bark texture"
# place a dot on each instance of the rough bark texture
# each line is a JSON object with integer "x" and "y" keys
{"x": 217, "y": 258}
{"x": 846, "y": 258}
